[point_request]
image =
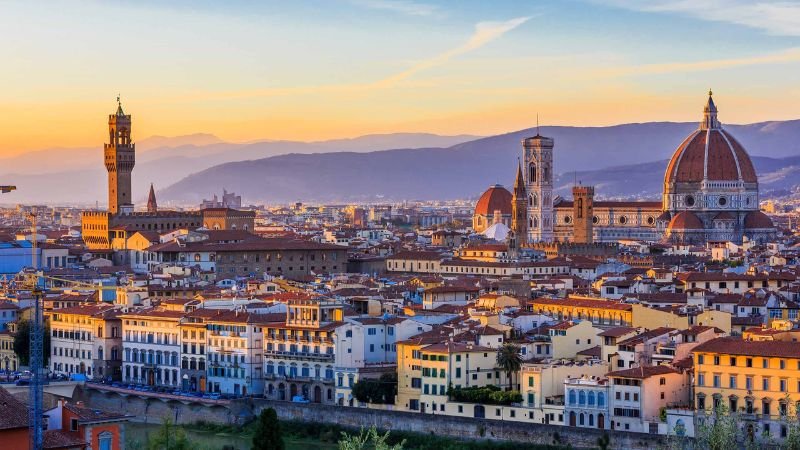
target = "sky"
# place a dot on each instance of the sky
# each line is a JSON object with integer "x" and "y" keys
{"x": 313, "y": 70}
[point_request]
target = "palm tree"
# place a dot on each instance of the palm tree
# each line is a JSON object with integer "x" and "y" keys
{"x": 509, "y": 359}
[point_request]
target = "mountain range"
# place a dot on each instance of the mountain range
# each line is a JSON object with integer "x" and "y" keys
{"x": 621, "y": 161}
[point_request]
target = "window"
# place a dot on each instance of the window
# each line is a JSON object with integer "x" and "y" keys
{"x": 700, "y": 359}
{"x": 732, "y": 382}
{"x": 104, "y": 440}
{"x": 530, "y": 381}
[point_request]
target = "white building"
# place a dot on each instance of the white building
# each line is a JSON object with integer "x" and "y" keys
{"x": 151, "y": 347}
{"x": 365, "y": 348}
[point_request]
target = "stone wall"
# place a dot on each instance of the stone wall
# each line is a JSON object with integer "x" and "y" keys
{"x": 241, "y": 411}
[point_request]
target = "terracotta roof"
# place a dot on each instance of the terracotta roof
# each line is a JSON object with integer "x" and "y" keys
{"x": 56, "y": 439}
{"x": 757, "y": 219}
{"x": 711, "y": 154}
{"x": 617, "y": 331}
{"x": 594, "y": 352}
{"x": 582, "y": 303}
{"x": 495, "y": 198}
{"x": 92, "y": 415}
{"x": 15, "y": 413}
{"x": 643, "y": 372}
{"x": 724, "y": 215}
{"x": 738, "y": 346}
{"x": 685, "y": 220}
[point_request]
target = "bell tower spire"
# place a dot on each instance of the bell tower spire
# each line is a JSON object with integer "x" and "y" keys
{"x": 519, "y": 209}
{"x": 152, "y": 205}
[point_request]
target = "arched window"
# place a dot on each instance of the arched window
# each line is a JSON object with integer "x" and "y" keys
{"x": 535, "y": 200}
{"x": 591, "y": 399}
{"x": 601, "y": 399}
{"x": 197, "y": 257}
{"x": 581, "y": 398}
{"x": 532, "y": 173}
{"x": 571, "y": 397}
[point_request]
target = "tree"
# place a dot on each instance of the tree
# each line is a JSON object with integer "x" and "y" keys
{"x": 509, "y": 359}
{"x": 22, "y": 343}
{"x": 368, "y": 439}
{"x": 169, "y": 437}
{"x": 718, "y": 431}
{"x": 268, "y": 435}
{"x": 382, "y": 390}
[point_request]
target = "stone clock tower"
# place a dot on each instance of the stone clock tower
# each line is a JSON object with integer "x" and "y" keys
{"x": 120, "y": 157}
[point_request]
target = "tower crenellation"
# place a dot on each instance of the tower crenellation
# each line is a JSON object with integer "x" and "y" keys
{"x": 120, "y": 157}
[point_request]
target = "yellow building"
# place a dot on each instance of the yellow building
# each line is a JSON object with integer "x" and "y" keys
{"x": 758, "y": 379}
{"x": 409, "y": 368}
{"x": 456, "y": 364}
{"x": 651, "y": 318}
{"x": 598, "y": 311}
{"x": 8, "y": 359}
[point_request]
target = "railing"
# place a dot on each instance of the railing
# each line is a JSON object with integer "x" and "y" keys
{"x": 299, "y": 355}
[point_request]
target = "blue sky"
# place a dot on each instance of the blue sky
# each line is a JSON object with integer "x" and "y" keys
{"x": 312, "y": 70}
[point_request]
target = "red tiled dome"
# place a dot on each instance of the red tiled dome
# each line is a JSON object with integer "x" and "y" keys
{"x": 727, "y": 160}
{"x": 757, "y": 219}
{"x": 685, "y": 220}
{"x": 495, "y": 198}
{"x": 710, "y": 153}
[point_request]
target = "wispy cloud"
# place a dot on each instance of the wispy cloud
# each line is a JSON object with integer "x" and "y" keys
{"x": 774, "y": 17}
{"x": 400, "y": 6}
{"x": 784, "y": 56}
{"x": 485, "y": 32}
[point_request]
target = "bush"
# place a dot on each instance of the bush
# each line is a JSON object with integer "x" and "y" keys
{"x": 382, "y": 390}
{"x": 490, "y": 395}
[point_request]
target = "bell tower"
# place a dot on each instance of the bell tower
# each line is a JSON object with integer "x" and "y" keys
{"x": 537, "y": 153}
{"x": 582, "y": 214}
{"x": 120, "y": 157}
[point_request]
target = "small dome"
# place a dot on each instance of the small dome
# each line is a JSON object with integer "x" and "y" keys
{"x": 757, "y": 219}
{"x": 664, "y": 217}
{"x": 498, "y": 232}
{"x": 685, "y": 220}
{"x": 495, "y": 198}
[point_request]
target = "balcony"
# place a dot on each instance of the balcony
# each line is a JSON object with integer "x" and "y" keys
{"x": 324, "y": 357}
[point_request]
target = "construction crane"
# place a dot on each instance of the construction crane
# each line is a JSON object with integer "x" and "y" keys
{"x": 38, "y": 380}
{"x": 6, "y": 189}
{"x": 35, "y": 283}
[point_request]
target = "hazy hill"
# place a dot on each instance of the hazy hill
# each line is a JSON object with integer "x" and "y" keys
{"x": 70, "y": 175}
{"x": 618, "y": 159}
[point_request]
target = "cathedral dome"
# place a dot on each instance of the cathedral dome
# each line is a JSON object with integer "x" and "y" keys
{"x": 710, "y": 154}
{"x": 496, "y": 198}
{"x": 757, "y": 219}
{"x": 685, "y": 220}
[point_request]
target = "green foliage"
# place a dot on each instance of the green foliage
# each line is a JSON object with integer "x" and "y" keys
{"x": 382, "y": 390}
{"x": 22, "y": 343}
{"x": 509, "y": 358}
{"x": 489, "y": 395}
{"x": 169, "y": 437}
{"x": 268, "y": 434}
{"x": 412, "y": 441}
{"x": 367, "y": 439}
{"x": 603, "y": 441}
